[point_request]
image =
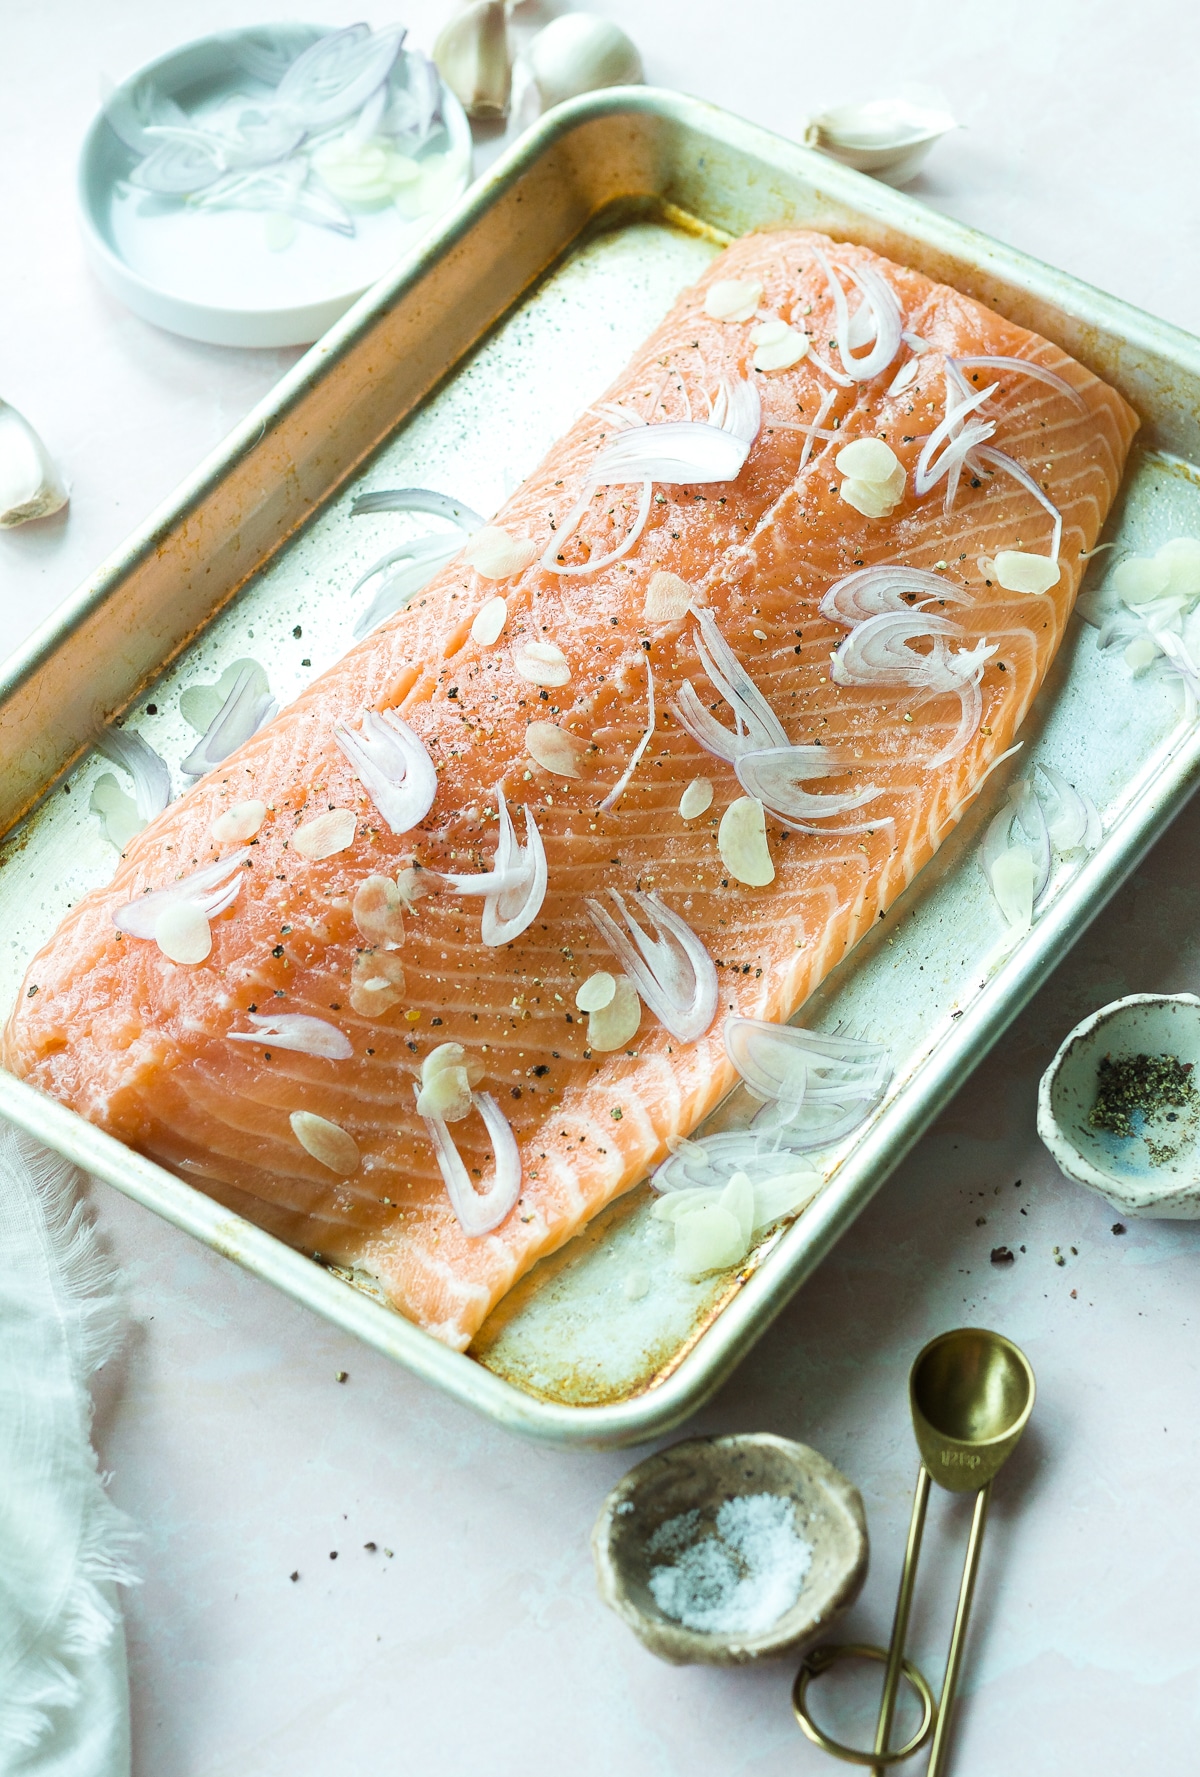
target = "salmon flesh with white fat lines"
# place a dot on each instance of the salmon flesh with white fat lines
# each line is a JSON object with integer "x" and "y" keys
{"x": 716, "y": 459}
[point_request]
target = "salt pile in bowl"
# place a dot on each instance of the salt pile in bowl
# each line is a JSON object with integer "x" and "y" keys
{"x": 737, "y": 1581}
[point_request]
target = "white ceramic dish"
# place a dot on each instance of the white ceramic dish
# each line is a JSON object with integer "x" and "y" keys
{"x": 1156, "y": 1172}
{"x": 225, "y": 276}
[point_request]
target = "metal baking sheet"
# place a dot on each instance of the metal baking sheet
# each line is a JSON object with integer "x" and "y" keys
{"x": 458, "y": 372}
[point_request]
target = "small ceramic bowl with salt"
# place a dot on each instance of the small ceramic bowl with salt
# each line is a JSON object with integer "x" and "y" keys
{"x": 724, "y": 1551}
{"x": 1119, "y": 1106}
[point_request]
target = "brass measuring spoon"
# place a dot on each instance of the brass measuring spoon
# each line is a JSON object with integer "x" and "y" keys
{"x": 970, "y": 1393}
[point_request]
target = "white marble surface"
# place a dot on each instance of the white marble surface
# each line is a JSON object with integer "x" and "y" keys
{"x": 478, "y": 1643}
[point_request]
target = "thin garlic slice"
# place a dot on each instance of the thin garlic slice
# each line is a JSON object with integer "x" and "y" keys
{"x": 326, "y": 834}
{"x": 327, "y": 1142}
{"x": 874, "y": 499}
{"x": 378, "y": 911}
{"x": 376, "y": 983}
{"x": 239, "y": 823}
{"x": 616, "y": 1024}
{"x": 733, "y": 299}
{"x": 496, "y": 555}
{"x": 31, "y": 485}
{"x": 707, "y": 1239}
{"x": 668, "y": 598}
{"x": 118, "y": 812}
{"x": 1019, "y": 571}
{"x": 868, "y": 459}
{"x": 541, "y": 663}
{"x": 696, "y": 799}
{"x": 1140, "y": 653}
{"x": 489, "y": 622}
{"x": 742, "y": 842}
{"x": 447, "y": 1079}
{"x": 182, "y": 932}
{"x": 598, "y": 991}
{"x": 777, "y": 346}
{"x": 554, "y": 749}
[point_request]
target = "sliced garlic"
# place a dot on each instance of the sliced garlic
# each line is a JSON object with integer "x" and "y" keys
{"x": 668, "y": 598}
{"x": 489, "y": 622}
{"x": 554, "y": 748}
{"x": 1018, "y": 571}
{"x": 598, "y": 991}
{"x": 777, "y": 346}
{"x": 707, "y": 1239}
{"x": 742, "y": 842}
{"x": 31, "y": 485}
{"x": 376, "y": 983}
{"x": 495, "y": 555}
{"x": 473, "y": 57}
{"x": 580, "y": 53}
{"x": 412, "y": 884}
{"x": 239, "y": 823}
{"x": 1139, "y": 579}
{"x": 733, "y": 299}
{"x": 874, "y": 499}
{"x": 696, "y": 798}
{"x": 182, "y": 932}
{"x": 1182, "y": 558}
{"x": 1140, "y": 653}
{"x": 118, "y": 812}
{"x": 378, "y": 911}
{"x": 542, "y": 663}
{"x": 447, "y": 1079}
{"x": 616, "y": 1024}
{"x": 1013, "y": 876}
{"x": 327, "y": 1142}
{"x": 868, "y": 459}
{"x": 325, "y": 834}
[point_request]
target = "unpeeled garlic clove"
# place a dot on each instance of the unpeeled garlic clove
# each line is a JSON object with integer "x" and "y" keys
{"x": 473, "y": 58}
{"x": 580, "y": 53}
{"x": 887, "y": 137}
{"x": 31, "y": 484}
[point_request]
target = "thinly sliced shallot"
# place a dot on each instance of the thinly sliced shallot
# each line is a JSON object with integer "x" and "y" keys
{"x": 1000, "y": 459}
{"x": 777, "y": 774}
{"x": 622, "y": 783}
{"x": 672, "y": 971}
{"x": 757, "y": 725}
{"x": 885, "y": 309}
{"x": 337, "y": 74}
{"x": 787, "y": 1064}
{"x": 392, "y": 765}
{"x": 709, "y": 1162}
{"x": 479, "y": 1212}
{"x": 418, "y": 499}
{"x": 298, "y": 1031}
{"x": 1024, "y": 368}
{"x": 214, "y": 889}
{"x": 244, "y": 711}
{"x": 868, "y": 592}
{"x": 687, "y": 452}
{"x": 515, "y": 887}
{"x": 954, "y": 439}
{"x": 1075, "y": 824}
{"x": 421, "y": 559}
{"x": 151, "y": 778}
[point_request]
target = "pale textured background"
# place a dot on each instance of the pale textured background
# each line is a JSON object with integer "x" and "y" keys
{"x": 480, "y": 1644}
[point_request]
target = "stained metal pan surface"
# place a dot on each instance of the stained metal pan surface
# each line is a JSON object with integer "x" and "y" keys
{"x": 458, "y": 373}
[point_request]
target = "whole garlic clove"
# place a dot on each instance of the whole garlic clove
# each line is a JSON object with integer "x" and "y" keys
{"x": 473, "y": 57}
{"x": 886, "y": 137}
{"x": 31, "y": 484}
{"x": 579, "y": 53}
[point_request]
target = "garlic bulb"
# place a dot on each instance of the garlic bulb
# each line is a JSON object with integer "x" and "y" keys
{"x": 31, "y": 485}
{"x": 473, "y": 58}
{"x": 579, "y": 53}
{"x": 887, "y": 137}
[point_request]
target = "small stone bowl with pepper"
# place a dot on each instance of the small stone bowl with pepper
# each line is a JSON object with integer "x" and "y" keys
{"x": 1119, "y": 1106}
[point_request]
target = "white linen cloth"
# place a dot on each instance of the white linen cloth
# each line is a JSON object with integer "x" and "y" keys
{"x": 64, "y": 1693}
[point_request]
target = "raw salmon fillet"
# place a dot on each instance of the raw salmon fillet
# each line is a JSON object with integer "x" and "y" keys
{"x": 140, "y": 1044}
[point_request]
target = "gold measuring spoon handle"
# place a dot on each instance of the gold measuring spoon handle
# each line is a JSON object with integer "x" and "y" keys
{"x": 941, "y": 1734}
{"x": 895, "y": 1656}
